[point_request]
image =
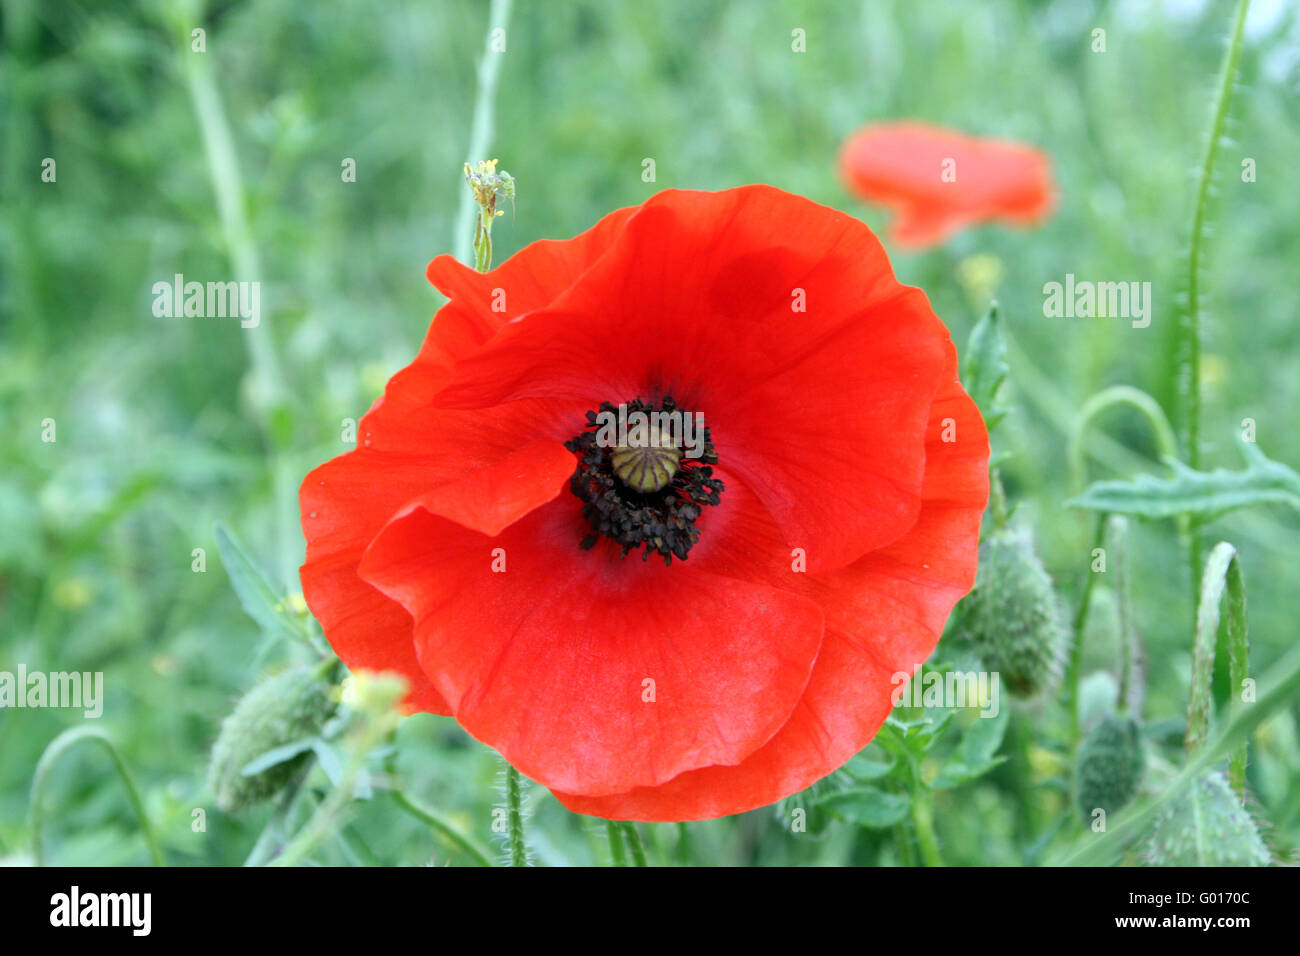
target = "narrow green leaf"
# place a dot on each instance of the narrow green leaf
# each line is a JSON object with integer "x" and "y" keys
{"x": 276, "y": 756}
{"x": 256, "y": 594}
{"x": 40, "y": 783}
{"x": 330, "y": 760}
{"x": 984, "y": 366}
{"x": 866, "y": 807}
{"x": 866, "y": 767}
{"x": 1222, "y": 573}
{"x": 1206, "y": 495}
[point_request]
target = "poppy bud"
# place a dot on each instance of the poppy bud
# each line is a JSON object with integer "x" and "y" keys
{"x": 1013, "y": 617}
{"x": 279, "y": 710}
{"x": 1110, "y": 766}
{"x": 1206, "y": 826}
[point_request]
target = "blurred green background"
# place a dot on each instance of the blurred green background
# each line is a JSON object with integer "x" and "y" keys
{"x": 166, "y": 426}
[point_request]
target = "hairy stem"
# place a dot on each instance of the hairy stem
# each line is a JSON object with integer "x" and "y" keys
{"x": 1189, "y": 327}
{"x": 516, "y": 847}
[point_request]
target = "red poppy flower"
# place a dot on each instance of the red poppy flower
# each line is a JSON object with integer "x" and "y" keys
{"x": 940, "y": 180}
{"x": 482, "y": 540}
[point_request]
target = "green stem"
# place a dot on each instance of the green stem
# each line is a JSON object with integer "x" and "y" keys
{"x": 272, "y": 838}
{"x": 483, "y": 243}
{"x": 923, "y": 820}
{"x": 634, "y": 843}
{"x": 1117, "y": 536}
{"x": 997, "y": 500}
{"x": 489, "y": 70}
{"x": 57, "y": 748}
{"x": 1189, "y": 326}
{"x": 269, "y": 394}
{"x": 443, "y": 828}
{"x": 440, "y": 826}
{"x": 903, "y": 838}
{"x": 1075, "y": 665}
{"x": 516, "y": 847}
{"x": 1222, "y": 572}
{"x": 376, "y": 724}
{"x": 1166, "y": 448}
{"x": 1166, "y": 444}
{"x": 1189, "y": 319}
{"x": 615, "y": 836}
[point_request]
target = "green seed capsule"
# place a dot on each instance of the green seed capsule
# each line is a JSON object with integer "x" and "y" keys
{"x": 646, "y": 468}
{"x": 279, "y": 710}
{"x": 1206, "y": 826}
{"x": 1013, "y": 618}
{"x": 1111, "y": 763}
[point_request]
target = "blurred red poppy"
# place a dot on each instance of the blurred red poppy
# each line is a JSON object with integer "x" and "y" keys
{"x": 939, "y": 180}
{"x": 485, "y": 543}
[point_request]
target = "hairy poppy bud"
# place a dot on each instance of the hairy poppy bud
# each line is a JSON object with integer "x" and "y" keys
{"x": 279, "y": 710}
{"x": 1013, "y": 617}
{"x": 1111, "y": 762}
{"x": 1206, "y": 826}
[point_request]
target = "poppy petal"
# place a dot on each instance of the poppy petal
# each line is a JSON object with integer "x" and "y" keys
{"x": 940, "y": 180}
{"x": 346, "y": 501}
{"x": 343, "y": 507}
{"x": 643, "y": 671}
{"x": 480, "y": 303}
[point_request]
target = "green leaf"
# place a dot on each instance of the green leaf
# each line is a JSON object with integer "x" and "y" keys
{"x": 866, "y": 807}
{"x": 984, "y": 366}
{"x": 256, "y": 594}
{"x": 330, "y": 760}
{"x": 866, "y": 767}
{"x": 276, "y": 756}
{"x": 1205, "y": 495}
{"x": 913, "y": 739}
{"x": 976, "y": 754}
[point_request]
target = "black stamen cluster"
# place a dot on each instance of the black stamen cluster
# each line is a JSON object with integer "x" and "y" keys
{"x": 661, "y": 522}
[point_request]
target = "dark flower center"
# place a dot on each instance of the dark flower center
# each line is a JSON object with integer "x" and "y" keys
{"x": 644, "y": 476}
